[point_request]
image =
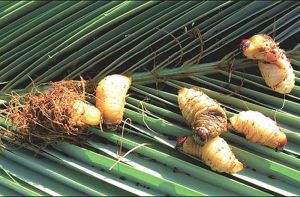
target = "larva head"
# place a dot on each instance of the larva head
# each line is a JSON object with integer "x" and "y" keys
{"x": 244, "y": 44}
{"x": 180, "y": 140}
{"x": 250, "y": 47}
{"x": 202, "y": 134}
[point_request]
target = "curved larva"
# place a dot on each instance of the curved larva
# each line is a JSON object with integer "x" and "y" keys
{"x": 281, "y": 80}
{"x": 273, "y": 63}
{"x": 216, "y": 153}
{"x": 110, "y": 97}
{"x": 263, "y": 48}
{"x": 258, "y": 129}
{"x": 205, "y": 115}
{"x": 86, "y": 113}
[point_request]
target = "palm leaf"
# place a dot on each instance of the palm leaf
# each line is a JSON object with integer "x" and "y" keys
{"x": 163, "y": 45}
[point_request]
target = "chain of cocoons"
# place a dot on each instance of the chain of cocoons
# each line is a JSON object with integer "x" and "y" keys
{"x": 110, "y": 98}
{"x": 215, "y": 153}
{"x": 204, "y": 115}
{"x": 273, "y": 63}
{"x": 259, "y": 129}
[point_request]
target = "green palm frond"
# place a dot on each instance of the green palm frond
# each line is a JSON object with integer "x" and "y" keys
{"x": 163, "y": 45}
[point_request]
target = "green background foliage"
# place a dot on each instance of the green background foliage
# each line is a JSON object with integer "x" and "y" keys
{"x": 162, "y": 45}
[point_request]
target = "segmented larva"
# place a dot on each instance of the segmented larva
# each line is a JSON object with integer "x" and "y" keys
{"x": 86, "y": 113}
{"x": 205, "y": 115}
{"x": 110, "y": 98}
{"x": 216, "y": 153}
{"x": 281, "y": 80}
{"x": 274, "y": 66}
{"x": 258, "y": 129}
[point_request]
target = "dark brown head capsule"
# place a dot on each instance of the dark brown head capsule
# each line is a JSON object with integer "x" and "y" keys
{"x": 202, "y": 135}
{"x": 244, "y": 44}
{"x": 180, "y": 141}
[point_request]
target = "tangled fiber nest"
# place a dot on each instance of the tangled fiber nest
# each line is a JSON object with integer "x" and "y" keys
{"x": 46, "y": 117}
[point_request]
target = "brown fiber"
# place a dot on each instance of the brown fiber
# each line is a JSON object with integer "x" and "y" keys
{"x": 47, "y": 117}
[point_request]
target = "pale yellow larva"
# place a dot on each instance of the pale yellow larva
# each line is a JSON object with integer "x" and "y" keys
{"x": 203, "y": 114}
{"x": 110, "y": 97}
{"x": 273, "y": 63}
{"x": 259, "y": 129}
{"x": 216, "y": 153}
{"x": 281, "y": 80}
{"x": 85, "y": 113}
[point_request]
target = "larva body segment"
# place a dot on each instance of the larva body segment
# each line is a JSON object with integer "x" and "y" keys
{"x": 216, "y": 153}
{"x": 273, "y": 63}
{"x": 258, "y": 129}
{"x": 281, "y": 80}
{"x": 204, "y": 115}
{"x": 263, "y": 48}
{"x": 86, "y": 113}
{"x": 110, "y": 97}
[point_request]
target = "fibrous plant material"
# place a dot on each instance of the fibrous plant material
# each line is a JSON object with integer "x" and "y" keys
{"x": 203, "y": 114}
{"x": 216, "y": 153}
{"x": 273, "y": 63}
{"x": 110, "y": 98}
{"x": 57, "y": 113}
{"x": 259, "y": 129}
